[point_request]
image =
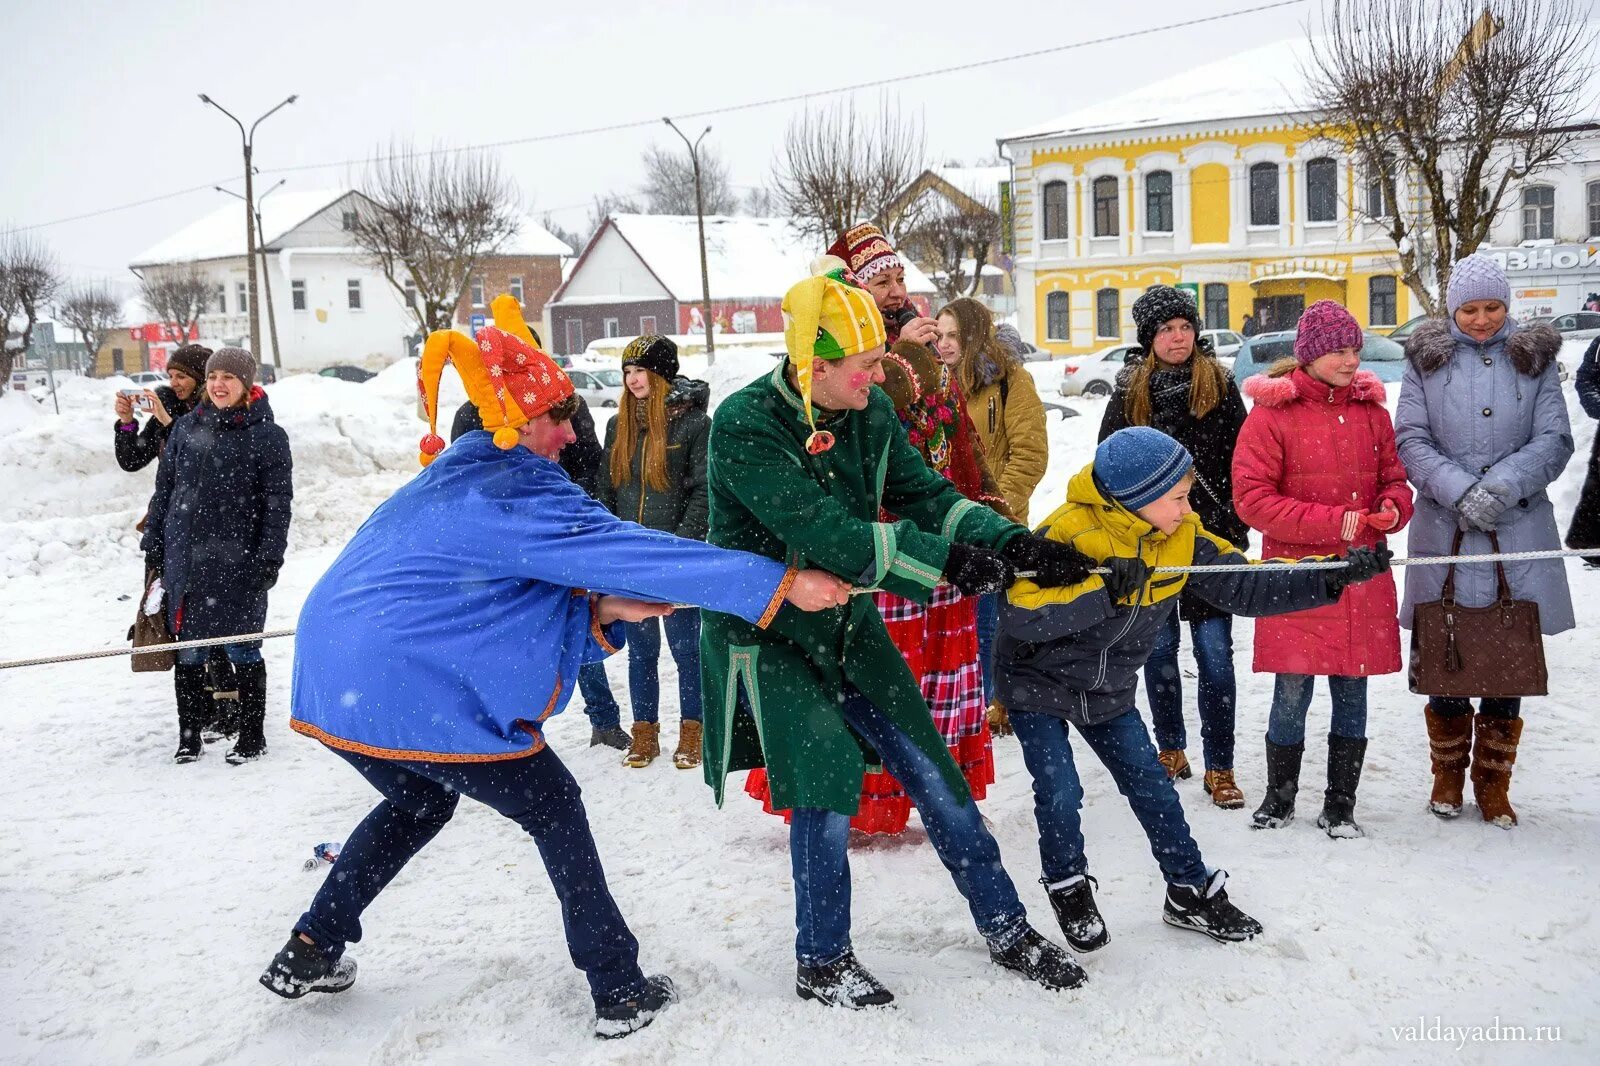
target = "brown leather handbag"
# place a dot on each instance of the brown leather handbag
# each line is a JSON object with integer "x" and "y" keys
{"x": 148, "y": 631}
{"x": 1496, "y": 650}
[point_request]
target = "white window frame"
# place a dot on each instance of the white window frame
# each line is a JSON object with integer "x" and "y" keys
{"x": 241, "y": 296}
{"x": 514, "y": 287}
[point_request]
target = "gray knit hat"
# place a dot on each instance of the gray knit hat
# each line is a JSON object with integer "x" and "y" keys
{"x": 236, "y": 361}
{"x": 1477, "y": 277}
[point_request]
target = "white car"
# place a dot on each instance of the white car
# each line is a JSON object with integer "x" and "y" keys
{"x": 1225, "y": 344}
{"x": 1096, "y": 374}
{"x": 600, "y": 388}
{"x": 148, "y": 379}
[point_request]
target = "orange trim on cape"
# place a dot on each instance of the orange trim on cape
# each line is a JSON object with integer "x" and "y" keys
{"x": 596, "y": 630}
{"x": 406, "y": 755}
{"x": 778, "y": 597}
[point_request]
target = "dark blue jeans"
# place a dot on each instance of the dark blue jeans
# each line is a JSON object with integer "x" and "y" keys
{"x": 644, "y": 654}
{"x": 598, "y": 702}
{"x": 1124, "y": 747}
{"x": 1291, "y": 698}
{"x": 1212, "y": 645}
{"x": 238, "y": 654}
{"x": 988, "y": 622}
{"x": 819, "y": 852}
{"x": 538, "y": 794}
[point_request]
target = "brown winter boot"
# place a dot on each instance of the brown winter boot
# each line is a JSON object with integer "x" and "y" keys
{"x": 1220, "y": 786}
{"x": 1494, "y": 752}
{"x": 999, "y": 720}
{"x": 687, "y": 757}
{"x": 1176, "y": 762}
{"x": 1450, "y": 746}
{"x": 646, "y": 745}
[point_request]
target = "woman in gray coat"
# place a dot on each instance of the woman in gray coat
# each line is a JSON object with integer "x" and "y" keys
{"x": 1482, "y": 429}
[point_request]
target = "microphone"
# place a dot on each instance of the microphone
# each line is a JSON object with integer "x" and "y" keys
{"x": 904, "y": 316}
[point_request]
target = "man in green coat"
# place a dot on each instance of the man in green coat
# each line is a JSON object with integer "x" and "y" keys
{"x": 803, "y": 464}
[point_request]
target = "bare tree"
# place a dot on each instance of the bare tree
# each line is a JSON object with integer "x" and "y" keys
{"x": 1448, "y": 105}
{"x": 561, "y": 233}
{"x": 668, "y": 187}
{"x": 954, "y": 242}
{"x": 29, "y": 278}
{"x": 94, "y": 312}
{"x": 428, "y": 218}
{"x": 176, "y": 296}
{"x": 839, "y": 167}
{"x": 759, "y": 202}
{"x": 606, "y": 205}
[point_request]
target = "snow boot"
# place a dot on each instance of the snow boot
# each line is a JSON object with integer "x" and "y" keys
{"x": 1450, "y": 748}
{"x": 1223, "y": 790}
{"x": 844, "y": 982}
{"x": 1494, "y": 752}
{"x": 1338, "y": 817}
{"x": 301, "y": 967}
{"x": 634, "y": 1014}
{"x": 1079, "y": 918}
{"x": 613, "y": 736}
{"x": 687, "y": 757}
{"x": 252, "y": 742}
{"x": 194, "y": 705}
{"x": 1283, "y": 782}
{"x": 999, "y": 720}
{"x": 1206, "y": 909}
{"x": 1176, "y": 762}
{"x": 1038, "y": 960}
{"x": 222, "y": 682}
{"x": 646, "y": 745}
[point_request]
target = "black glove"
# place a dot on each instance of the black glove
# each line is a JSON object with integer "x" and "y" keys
{"x": 1051, "y": 562}
{"x": 266, "y": 578}
{"x": 978, "y": 571}
{"x": 1361, "y": 564}
{"x": 1127, "y": 577}
{"x": 152, "y": 564}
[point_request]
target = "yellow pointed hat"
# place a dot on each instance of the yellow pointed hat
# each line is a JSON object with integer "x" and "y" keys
{"x": 827, "y": 316}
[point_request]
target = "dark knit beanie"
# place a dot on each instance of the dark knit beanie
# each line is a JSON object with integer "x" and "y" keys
{"x": 1137, "y": 465}
{"x": 236, "y": 361}
{"x": 191, "y": 359}
{"x": 654, "y": 353}
{"x": 1324, "y": 327}
{"x": 1159, "y": 305}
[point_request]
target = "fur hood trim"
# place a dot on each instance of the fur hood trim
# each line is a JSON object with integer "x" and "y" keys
{"x": 1531, "y": 349}
{"x": 1282, "y": 390}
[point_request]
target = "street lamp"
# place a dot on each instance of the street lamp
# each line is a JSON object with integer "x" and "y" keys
{"x": 700, "y": 219}
{"x": 247, "y": 140}
{"x": 266, "y": 275}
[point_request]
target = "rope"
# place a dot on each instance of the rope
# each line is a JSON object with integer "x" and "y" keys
{"x": 1227, "y": 568}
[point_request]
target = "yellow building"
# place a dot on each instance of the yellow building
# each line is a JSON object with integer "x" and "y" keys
{"x": 1211, "y": 180}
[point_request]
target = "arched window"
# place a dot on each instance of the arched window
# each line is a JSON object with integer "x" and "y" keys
{"x": 1054, "y": 195}
{"x": 1107, "y": 314}
{"x": 1380, "y": 301}
{"x": 1264, "y": 194}
{"x": 1058, "y": 317}
{"x": 1538, "y": 213}
{"x": 1105, "y": 207}
{"x": 1158, "y": 201}
{"x": 1322, "y": 190}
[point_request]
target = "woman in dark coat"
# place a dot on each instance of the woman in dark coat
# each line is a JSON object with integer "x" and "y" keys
{"x": 138, "y": 448}
{"x": 216, "y": 534}
{"x": 1585, "y": 529}
{"x": 1177, "y": 386}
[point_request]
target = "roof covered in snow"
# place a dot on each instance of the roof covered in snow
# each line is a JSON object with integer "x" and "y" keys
{"x": 532, "y": 238}
{"x": 980, "y": 183}
{"x": 220, "y": 234}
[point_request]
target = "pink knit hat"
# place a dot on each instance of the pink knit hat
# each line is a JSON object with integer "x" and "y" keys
{"x": 1324, "y": 327}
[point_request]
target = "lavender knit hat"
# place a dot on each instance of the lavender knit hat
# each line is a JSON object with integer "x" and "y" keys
{"x": 1325, "y": 327}
{"x": 1477, "y": 277}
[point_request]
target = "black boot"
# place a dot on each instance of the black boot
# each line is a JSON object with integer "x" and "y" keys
{"x": 194, "y": 704}
{"x": 1038, "y": 960}
{"x": 638, "y": 1012}
{"x": 611, "y": 736}
{"x": 1206, "y": 909}
{"x": 252, "y": 742}
{"x": 844, "y": 982}
{"x": 300, "y": 968}
{"x": 1077, "y": 914}
{"x": 222, "y": 682}
{"x": 1283, "y": 781}
{"x": 1345, "y": 755}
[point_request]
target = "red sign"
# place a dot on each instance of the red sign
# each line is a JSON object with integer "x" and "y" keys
{"x": 162, "y": 333}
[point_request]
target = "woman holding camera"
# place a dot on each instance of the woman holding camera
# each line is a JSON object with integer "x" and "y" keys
{"x": 138, "y": 448}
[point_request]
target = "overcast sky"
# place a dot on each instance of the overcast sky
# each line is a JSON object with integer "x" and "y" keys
{"x": 100, "y": 100}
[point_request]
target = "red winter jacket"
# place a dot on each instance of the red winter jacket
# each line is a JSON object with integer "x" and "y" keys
{"x": 1307, "y": 454}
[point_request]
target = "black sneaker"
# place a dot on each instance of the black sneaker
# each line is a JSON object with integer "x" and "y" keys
{"x": 1077, "y": 914}
{"x": 844, "y": 982}
{"x": 613, "y": 737}
{"x": 610, "y": 1023}
{"x": 300, "y": 968}
{"x": 1206, "y": 910}
{"x": 1039, "y": 960}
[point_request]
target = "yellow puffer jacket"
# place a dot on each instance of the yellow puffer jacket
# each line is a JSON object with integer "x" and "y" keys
{"x": 1010, "y": 421}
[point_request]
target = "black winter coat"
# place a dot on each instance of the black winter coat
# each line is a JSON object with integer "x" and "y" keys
{"x": 219, "y": 519}
{"x": 137, "y": 450}
{"x": 580, "y": 459}
{"x": 684, "y": 507}
{"x": 1585, "y": 529}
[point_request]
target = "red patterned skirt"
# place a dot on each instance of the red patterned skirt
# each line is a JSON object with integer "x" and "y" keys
{"x": 940, "y": 645}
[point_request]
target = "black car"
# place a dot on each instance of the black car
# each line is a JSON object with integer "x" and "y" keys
{"x": 347, "y": 373}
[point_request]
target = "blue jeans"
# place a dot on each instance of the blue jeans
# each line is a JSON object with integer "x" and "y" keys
{"x": 540, "y": 795}
{"x": 644, "y": 653}
{"x": 1291, "y": 698}
{"x": 238, "y": 654}
{"x": 1124, "y": 747}
{"x": 988, "y": 622}
{"x": 819, "y": 852}
{"x": 598, "y": 702}
{"x": 1212, "y": 640}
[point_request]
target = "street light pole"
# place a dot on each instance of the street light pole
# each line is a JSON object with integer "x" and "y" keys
{"x": 247, "y": 141}
{"x": 266, "y": 275}
{"x": 700, "y": 220}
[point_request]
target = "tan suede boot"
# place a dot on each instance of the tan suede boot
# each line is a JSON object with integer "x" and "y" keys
{"x": 646, "y": 745}
{"x": 1450, "y": 747}
{"x": 1494, "y": 752}
{"x": 687, "y": 757}
{"x": 999, "y": 720}
{"x": 1223, "y": 790}
{"x": 1176, "y": 762}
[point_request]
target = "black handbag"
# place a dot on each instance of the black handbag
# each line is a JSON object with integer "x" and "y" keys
{"x": 1472, "y": 652}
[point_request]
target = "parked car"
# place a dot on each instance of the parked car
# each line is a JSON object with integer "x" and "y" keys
{"x": 1380, "y": 355}
{"x": 148, "y": 379}
{"x": 1032, "y": 353}
{"x": 1405, "y": 329}
{"x": 347, "y": 373}
{"x": 601, "y": 388}
{"x": 1225, "y": 343}
{"x": 1095, "y": 374}
{"x": 1577, "y": 326}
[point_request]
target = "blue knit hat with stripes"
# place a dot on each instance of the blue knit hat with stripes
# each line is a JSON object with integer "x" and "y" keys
{"x": 1137, "y": 465}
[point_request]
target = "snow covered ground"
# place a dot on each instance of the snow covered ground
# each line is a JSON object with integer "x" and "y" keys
{"x": 143, "y": 898}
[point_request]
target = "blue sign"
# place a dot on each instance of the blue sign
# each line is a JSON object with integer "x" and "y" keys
{"x": 477, "y": 322}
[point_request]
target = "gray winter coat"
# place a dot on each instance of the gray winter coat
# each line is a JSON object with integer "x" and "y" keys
{"x": 1490, "y": 412}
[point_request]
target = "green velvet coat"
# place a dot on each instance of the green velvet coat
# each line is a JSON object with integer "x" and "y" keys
{"x": 770, "y": 497}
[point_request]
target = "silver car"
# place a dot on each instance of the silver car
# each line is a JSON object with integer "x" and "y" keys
{"x": 1225, "y": 343}
{"x": 599, "y": 388}
{"x": 1095, "y": 374}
